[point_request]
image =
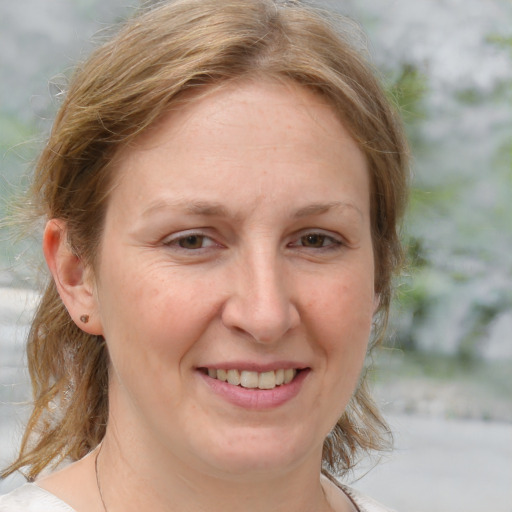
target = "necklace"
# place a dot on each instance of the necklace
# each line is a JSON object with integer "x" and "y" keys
{"x": 98, "y": 478}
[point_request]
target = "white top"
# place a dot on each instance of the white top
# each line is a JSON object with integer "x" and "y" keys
{"x": 31, "y": 498}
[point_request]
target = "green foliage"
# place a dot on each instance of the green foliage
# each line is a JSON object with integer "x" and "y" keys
{"x": 444, "y": 385}
{"x": 407, "y": 90}
{"x": 501, "y": 41}
{"x": 470, "y": 96}
{"x": 459, "y": 228}
{"x": 13, "y": 131}
{"x": 409, "y": 87}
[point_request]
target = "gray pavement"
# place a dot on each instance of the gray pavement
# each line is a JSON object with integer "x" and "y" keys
{"x": 441, "y": 465}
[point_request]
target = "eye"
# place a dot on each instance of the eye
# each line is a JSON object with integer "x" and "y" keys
{"x": 314, "y": 240}
{"x": 190, "y": 242}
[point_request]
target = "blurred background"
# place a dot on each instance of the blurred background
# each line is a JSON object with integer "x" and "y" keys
{"x": 444, "y": 377}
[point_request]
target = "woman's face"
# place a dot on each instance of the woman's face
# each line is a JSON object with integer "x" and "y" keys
{"x": 237, "y": 245}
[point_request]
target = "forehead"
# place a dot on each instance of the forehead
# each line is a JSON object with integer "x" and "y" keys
{"x": 240, "y": 132}
{"x": 199, "y": 108}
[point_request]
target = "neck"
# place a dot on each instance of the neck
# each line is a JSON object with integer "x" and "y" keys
{"x": 132, "y": 482}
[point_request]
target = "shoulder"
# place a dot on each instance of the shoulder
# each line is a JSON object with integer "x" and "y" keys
{"x": 363, "y": 502}
{"x": 31, "y": 498}
{"x": 360, "y": 502}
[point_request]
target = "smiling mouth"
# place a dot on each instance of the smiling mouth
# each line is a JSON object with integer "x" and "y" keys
{"x": 251, "y": 379}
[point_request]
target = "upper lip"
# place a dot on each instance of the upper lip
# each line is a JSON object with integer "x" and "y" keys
{"x": 255, "y": 367}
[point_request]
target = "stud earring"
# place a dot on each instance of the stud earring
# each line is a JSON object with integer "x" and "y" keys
{"x": 84, "y": 318}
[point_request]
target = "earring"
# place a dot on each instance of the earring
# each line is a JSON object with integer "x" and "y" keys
{"x": 84, "y": 318}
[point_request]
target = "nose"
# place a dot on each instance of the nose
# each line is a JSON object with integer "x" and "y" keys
{"x": 261, "y": 304}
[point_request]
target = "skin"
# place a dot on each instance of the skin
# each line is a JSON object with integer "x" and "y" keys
{"x": 279, "y": 270}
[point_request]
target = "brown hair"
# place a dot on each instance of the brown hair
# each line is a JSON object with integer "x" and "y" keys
{"x": 126, "y": 85}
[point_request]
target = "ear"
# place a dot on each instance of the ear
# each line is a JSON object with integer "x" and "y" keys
{"x": 74, "y": 280}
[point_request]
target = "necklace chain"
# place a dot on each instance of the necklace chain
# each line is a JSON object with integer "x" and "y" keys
{"x": 98, "y": 478}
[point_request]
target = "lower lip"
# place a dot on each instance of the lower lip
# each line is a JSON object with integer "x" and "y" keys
{"x": 250, "y": 398}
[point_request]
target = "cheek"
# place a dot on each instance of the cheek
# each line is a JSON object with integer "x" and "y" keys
{"x": 341, "y": 314}
{"x": 139, "y": 295}
{"x": 344, "y": 302}
{"x": 148, "y": 323}
{"x": 339, "y": 324}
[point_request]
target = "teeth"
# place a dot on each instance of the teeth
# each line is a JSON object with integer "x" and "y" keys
{"x": 253, "y": 380}
{"x": 234, "y": 377}
{"x": 249, "y": 379}
{"x": 267, "y": 380}
{"x": 288, "y": 375}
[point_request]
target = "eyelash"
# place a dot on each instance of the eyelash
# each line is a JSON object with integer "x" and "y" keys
{"x": 332, "y": 242}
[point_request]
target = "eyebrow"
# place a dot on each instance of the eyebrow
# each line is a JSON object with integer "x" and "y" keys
{"x": 216, "y": 209}
{"x": 205, "y": 208}
{"x": 319, "y": 208}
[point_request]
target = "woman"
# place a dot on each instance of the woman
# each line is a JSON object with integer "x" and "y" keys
{"x": 222, "y": 188}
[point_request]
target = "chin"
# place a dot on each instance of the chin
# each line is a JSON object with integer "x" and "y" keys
{"x": 260, "y": 451}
